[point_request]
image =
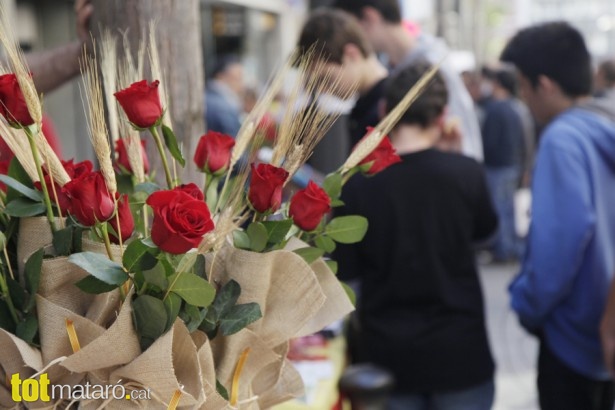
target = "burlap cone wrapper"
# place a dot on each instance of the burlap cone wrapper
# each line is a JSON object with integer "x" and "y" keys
{"x": 34, "y": 233}
{"x": 16, "y": 356}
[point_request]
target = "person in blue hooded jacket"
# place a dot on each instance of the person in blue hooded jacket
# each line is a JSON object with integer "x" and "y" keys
{"x": 561, "y": 291}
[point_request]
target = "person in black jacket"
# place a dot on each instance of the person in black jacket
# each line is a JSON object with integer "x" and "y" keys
{"x": 420, "y": 310}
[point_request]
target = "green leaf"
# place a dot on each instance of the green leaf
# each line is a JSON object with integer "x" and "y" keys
{"x": 156, "y": 276}
{"x": 277, "y": 230}
{"x": 347, "y": 229}
{"x": 212, "y": 193}
{"x": 21, "y": 188}
{"x": 147, "y": 187}
{"x": 172, "y": 304}
{"x": 333, "y": 185}
{"x": 337, "y": 203}
{"x": 27, "y": 329}
{"x": 6, "y": 321}
{"x": 191, "y": 288}
{"x": 200, "y": 266}
{"x": 22, "y": 207}
{"x": 18, "y": 294}
{"x": 226, "y": 298}
{"x": 332, "y": 265}
{"x": 258, "y": 236}
{"x": 309, "y": 254}
{"x": 63, "y": 241}
{"x": 33, "y": 274}
{"x": 139, "y": 256}
{"x": 350, "y": 293}
{"x": 17, "y": 172}
{"x": 222, "y": 390}
{"x": 241, "y": 240}
{"x": 325, "y": 243}
{"x": 194, "y": 317}
{"x": 124, "y": 182}
{"x": 209, "y": 324}
{"x": 239, "y": 317}
{"x": 150, "y": 318}
{"x": 100, "y": 267}
{"x": 171, "y": 142}
{"x": 90, "y": 284}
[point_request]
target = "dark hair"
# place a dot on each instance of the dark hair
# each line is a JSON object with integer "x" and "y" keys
{"x": 506, "y": 79}
{"x": 389, "y": 9}
{"x": 428, "y": 106}
{"x": 607, "y": 68}
{"x": 556, "y": 50}
{"x": 223, "y": 62}
{"x": 329, "y": 31}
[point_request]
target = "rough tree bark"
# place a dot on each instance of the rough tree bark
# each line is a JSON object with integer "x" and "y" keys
{"x": 179, "y": 41}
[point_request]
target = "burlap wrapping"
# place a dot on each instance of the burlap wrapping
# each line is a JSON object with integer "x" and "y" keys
{"x": 336, "y": 306}
{"x": 16, "y": 356}
{"x": 170, "y": 363}
{"x": 34, "y": 233}
{"x": 283, "y": 285}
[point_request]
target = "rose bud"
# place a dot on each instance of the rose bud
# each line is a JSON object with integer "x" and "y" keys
{"x": 382, "y": 157}
{"x": 90, "y": 201}
{"x": 141, "y": 103}
{"x": 213, "y": 153}
{"x": 192, "y": 190}
{"x": 266, "y": 183}
{"x": 122, "y": 156}
{"x": 180, "y": 221}
{"x": 308, "y": 206}
{"x": 127, "y": 223}
{"x": 12, "y": 103}
{"x": 74, "y": 171}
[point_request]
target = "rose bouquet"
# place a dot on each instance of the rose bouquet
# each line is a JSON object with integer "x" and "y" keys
{"x": 180, "y": 295}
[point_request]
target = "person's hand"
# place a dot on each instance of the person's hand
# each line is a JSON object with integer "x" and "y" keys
{"x": 607, "y": 332}
{"x": 84, "y": 10}
{"x": 450, "y": 139}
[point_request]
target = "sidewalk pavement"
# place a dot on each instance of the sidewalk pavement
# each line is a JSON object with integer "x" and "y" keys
{"x": 514, "y": 350}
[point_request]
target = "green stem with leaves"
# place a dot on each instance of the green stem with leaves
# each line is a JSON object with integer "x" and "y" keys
{"x": 41, "y": 177}
{"x": 4, "y": 291}
{"x": 165, "y": 164}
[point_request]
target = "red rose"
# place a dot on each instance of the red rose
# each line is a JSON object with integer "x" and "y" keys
{"x": 383, "y": 156}
{"x": 122, "y": 156}
{"x": 308, "y": 206}
{"x": 192, "y": 190}
{"x": 12, "y": 103}
{"x": 90, "y": 200}
{"x": 180, "y": 221}
{"x": 4, "y": 170}
{"x": 213, "y": 153}
{"x": 266, "y": 183}
{"x": 127, "y": 223}
{"x": 74, "y": 171}
{"x": 141, "y": 103}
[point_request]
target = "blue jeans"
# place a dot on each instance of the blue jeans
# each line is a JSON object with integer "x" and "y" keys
{"x": 502, "y": 185}
{"x": 475, "y": 398}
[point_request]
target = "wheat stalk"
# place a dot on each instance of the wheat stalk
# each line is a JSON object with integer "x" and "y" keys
{"x": 96, "y": 120}
{"x": 17, "y": 142}
{"x": 108, "y": 68}
{"x": 369, "y": 143}
{"x": 157, "y": 73}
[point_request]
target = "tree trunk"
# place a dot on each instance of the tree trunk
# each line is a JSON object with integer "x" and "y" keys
{"x": 179, "y": 46}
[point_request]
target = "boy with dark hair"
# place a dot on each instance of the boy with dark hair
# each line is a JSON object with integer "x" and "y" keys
{"x": 382, "y": 24}
{"x": 337, "y": 38}
{"x": 421, "y": 308}
{"x": 561, "y": 291}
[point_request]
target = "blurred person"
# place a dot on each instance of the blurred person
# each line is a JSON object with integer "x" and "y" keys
{"x": 503, "y": 144}
{"x": 349, "y": 61}
{"x": 384, "y": 28}
{"x": 421, "y": 313}
{"x": 54, "y": 67}
{"x": 224, "y": 96}
{"x": 604, "y": 80}
{"x": 562, "y": 288}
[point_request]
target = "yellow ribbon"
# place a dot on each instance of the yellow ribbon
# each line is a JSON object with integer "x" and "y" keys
{"x": 174, "y": 400}
{"x": 72, "y": 336}
{"x": 238, "y": 369}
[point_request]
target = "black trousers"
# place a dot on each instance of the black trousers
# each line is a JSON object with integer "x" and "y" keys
{"x": 561, "y": 388}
